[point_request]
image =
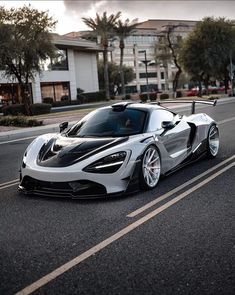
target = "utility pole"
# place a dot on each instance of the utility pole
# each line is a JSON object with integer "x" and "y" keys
{"x": 145, "y": 61}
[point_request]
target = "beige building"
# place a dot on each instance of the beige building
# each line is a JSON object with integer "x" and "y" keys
{"x": 145, "y": 38}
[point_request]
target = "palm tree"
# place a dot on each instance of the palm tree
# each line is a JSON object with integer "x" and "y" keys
{"x": 122, "y": 31}
{"x": 103, "y": 27}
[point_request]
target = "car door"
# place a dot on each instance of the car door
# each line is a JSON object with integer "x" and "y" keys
{"x": 174, "y": 139}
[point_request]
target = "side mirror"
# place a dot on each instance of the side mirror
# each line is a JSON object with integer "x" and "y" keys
{"x": 63, "y": 126}
{"x": 168, "y": 124}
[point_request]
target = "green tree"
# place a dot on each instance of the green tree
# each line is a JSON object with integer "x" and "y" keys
{"x": 114, "y": 76}
{"x": 206, "y": 51}
{"x": 103, "y": 27}
{"x": 123, "y": 29}
{"x": 25, "y": 41}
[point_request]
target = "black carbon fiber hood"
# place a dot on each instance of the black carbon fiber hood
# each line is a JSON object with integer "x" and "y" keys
{"x": 65, "y": 151}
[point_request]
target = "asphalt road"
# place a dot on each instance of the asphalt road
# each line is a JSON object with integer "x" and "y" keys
{"x": 183, "y": 244}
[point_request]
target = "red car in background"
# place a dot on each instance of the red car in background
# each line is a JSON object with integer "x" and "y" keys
{"x": 211, "y": 90}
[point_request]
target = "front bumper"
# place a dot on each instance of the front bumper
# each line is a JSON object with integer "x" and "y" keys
{"x": 74, "y": 189}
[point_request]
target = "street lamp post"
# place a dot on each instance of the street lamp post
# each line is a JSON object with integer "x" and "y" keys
{"x": 146, "y": 69}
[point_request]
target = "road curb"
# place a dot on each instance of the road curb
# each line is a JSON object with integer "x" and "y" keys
{"x": 29, "y": 132}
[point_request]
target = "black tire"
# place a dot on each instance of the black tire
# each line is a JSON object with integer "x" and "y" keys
{"x": 150, "y": 169}
{"x": 213, "y": 142}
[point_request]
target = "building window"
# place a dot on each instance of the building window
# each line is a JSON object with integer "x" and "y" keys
{"x": 163, "y": 86}
{"x": 150, "y": 75}
{"x": 129, "y": 63}
{"x": 162, "y": 76}
{"x": 59, "y": 91}
{"x": 10, "y": 93}
{"x": 58, "y": 63}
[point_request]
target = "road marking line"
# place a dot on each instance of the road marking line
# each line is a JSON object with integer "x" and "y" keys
{"x": 9, "y": 185}
{"x": 8, "y": 182}
{"x": 177, "y": 189}
{"x": 226, "y": 120}
{"x": 97, "y": 248}
{"x": 20, "y": 139}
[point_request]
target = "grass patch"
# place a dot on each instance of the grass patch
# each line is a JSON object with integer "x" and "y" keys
{"x": 19, "y": 121}
{"x": 64, "y": 114}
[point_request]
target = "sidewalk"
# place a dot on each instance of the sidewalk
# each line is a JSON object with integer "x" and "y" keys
{"x": 51, "y": 124}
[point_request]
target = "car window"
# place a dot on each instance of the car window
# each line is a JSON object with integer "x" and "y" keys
{"x": 156, "y": 119}
{"x": 108, "y": 122}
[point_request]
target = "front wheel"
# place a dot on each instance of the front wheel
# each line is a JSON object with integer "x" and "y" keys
{"x": 213, "y": 142}
{"x": 150, "y": 168}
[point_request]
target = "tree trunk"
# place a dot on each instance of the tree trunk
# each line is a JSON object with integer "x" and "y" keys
{"x": 200, "y": 88}
{"x": 25, "y": 98}
{"x": 176, "y": 81}
{"x": 165, "y": 67}
{"x": 106, "y": 73}
{"x": 206, "y": 82}
{"x": 122, "y": 46}
{"x": 226, "y": 84}
{"x": 175, "y": 59}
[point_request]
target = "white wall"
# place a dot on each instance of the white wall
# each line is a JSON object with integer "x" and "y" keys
{"x": 82, "y": 73}
{"x": 86, "y": 71}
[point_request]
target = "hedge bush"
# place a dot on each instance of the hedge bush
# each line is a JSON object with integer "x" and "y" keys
{"x": 47, "y": 100}
{"x": 19, "y": 109}
{"x": 95, "y": 96}
{"x": 65, "y": 103}
{"x": 153, "y": 96}
{"x": 64, "y": 97}
{"x": 164, "y": 96}
{"x": 178, "y": 93}
{"x": 13, "y": 109}
{"x": 40, "y": 108}
{"x": 127, "y": 96}
{"x": 19, "y": 121}
{"x": 143, "y": 97}
{"x": 79, "y": 90}
{"x": 81, "y": 99}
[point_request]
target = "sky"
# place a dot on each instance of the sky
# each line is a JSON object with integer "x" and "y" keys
{"x": 68, "y": 13}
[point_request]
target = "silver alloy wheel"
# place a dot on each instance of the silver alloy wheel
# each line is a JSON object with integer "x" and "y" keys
{"x": 213, "y": 140}
{"x": 151, "y": 167}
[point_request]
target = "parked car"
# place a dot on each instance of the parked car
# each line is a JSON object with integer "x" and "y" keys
{"x": 116, "y": 149}
{"x": 211, "y": 90}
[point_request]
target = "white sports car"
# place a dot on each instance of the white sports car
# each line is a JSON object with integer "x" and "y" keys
{"x": 115, "y": 149}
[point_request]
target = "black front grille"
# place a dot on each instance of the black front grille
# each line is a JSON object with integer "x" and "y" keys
{"x": 73, "y": 189}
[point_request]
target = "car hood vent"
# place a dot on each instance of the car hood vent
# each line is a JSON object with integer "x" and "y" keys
{"x": 65, "y": 151}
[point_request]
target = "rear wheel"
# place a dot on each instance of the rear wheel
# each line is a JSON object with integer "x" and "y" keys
{"x": 213, "y": 142}
{"x": 150, "y": 168}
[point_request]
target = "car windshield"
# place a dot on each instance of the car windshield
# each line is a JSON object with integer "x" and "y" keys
{"x": 108, "y": 122}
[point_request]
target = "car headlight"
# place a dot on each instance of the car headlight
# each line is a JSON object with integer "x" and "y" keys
{"x": 108, "y": 164}
{"x": 24, "y": 160}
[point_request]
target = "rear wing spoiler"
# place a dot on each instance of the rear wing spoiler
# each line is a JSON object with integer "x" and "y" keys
{"x": 193, "y": 102}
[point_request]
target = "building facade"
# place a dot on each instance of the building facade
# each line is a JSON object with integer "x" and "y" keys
{"x": 74, "y": 67}
{"x": 145, "y": 39}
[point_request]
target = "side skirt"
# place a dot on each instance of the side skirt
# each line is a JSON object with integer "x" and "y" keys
{"x": 192, "y": 158}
